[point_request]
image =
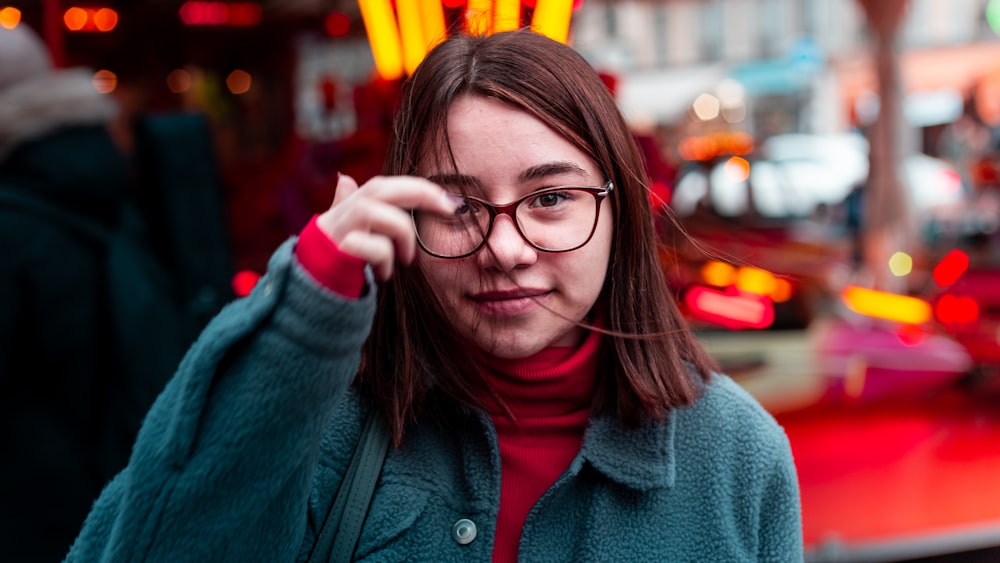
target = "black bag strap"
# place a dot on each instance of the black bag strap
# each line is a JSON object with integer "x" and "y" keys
{"x": 342, "y": 526}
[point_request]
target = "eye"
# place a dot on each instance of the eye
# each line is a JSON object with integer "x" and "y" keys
{"x": 549, "y": 199}
{"x": 466, "y": 206}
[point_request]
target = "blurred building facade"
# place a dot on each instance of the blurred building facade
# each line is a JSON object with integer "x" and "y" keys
{"x": 300, "y": 73}
{"x": 801, "y": 65}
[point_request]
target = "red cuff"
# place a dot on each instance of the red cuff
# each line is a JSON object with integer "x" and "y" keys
{"x": 333, "y": 268}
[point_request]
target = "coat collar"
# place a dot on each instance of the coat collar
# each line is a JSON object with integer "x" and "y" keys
{"x": 642, "y": 459}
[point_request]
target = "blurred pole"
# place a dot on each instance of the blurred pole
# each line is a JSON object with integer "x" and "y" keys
{"x": 887, "y": 226}
{"x": 52, "y": 32}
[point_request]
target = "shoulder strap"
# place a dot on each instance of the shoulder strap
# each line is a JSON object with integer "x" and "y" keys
{"x": 342, "y": 526}
{"x": 53, "y": 213}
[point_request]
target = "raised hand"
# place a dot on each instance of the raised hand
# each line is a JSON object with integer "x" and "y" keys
{"x": 373, "y": 222}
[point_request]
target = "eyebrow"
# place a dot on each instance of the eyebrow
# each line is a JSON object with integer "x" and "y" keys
{"x": 535, "y": 172}
{"x": 551, "y": 169}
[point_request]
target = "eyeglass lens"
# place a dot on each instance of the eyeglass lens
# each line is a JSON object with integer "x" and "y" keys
{"x": 555, "y": 220}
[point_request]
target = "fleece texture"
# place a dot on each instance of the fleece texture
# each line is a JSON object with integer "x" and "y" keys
{"x": 242, "y": 453}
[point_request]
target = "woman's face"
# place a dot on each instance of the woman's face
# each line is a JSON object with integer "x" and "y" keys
{"x": 510, "y": 299}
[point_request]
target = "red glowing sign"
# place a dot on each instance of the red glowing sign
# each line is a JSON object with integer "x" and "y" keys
{"x": 730, "y": 308}
{"x": 242, "y": 14}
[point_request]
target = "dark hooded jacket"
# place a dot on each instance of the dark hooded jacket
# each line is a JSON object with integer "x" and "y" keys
{"x": 55, "y": 356}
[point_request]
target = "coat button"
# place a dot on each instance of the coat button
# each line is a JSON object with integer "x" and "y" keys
{"x": 464, "y": 531}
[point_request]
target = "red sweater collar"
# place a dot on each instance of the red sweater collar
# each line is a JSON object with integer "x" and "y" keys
{"x": 553, "y": 382}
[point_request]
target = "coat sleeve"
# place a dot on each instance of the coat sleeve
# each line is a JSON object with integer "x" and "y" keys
{"x": 222, "y": 468}
{"x": 781, "y": 518}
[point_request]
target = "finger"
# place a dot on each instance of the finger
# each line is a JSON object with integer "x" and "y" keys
{"x": 376, "y": 218}
{"x": 351, "y": 203}
{"x": 410, "y": 192}
{"x": 395, "y": 224}
{"x": 377, "y": 250}
{"x": 346, "y": 186}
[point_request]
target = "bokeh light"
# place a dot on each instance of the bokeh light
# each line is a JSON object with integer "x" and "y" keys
{"x": 243, "y": 282}
{"x": 706, "y": 107}
{"x": 105, "y": 81}
{"x": 718, "y": 273}
{"x": 239, "y": 81}
{"x": 993, "y": 15}
{"x": 900, "y": 264}
{"x": 755, "y": 280}
{"x": 956, "y": 309}
{"x": 105, "y": 19}
{"x": 337, "y": 24}
{"x": 951, "y": 267}
{"x": 737, "y": 169}
{"x": 75, "y": 18}
{"x": 180, "y": 81}
{"x": 9, "y": 17}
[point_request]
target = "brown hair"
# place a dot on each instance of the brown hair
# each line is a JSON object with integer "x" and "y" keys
{"x": 650, "y": 361}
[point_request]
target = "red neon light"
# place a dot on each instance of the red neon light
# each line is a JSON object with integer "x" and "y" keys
{"x": 220, "y": 13}
{"x": 956, "y": 309}
{"x": 730, "y": 308}
{"x": 244, "y": 14}
{"x": 203, "y": 13}
{"x": 951, "y": 267}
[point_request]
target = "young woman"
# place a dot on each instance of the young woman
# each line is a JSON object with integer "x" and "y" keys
{"x": 496, "y": 299}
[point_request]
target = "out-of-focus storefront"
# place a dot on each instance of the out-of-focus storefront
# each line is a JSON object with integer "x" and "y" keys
{"x": 966, "y": 69}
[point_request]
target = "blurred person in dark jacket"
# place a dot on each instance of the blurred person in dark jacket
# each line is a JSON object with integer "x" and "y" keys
{"x": 61, "y": 436}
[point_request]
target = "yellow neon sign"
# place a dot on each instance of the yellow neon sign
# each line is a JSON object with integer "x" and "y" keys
{"x": 383, "y": 36}
{"x": 552, "y": 17}
{"x": 506, "y": 15}
{"x": 401, "y": 38}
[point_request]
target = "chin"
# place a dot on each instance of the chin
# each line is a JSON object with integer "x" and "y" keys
{"x": 513, "y": 345}
{"x": 510, "y": 346}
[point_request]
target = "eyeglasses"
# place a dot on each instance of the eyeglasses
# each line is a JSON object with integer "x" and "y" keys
{"x": 557, "y": 219}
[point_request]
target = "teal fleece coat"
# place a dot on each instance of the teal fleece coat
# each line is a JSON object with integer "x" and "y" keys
{"x": 244, "y": 450}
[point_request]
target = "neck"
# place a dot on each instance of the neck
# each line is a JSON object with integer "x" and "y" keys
{"x": 553, "y": 381}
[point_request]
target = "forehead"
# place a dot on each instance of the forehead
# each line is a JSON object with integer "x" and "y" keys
{"x": 487, "y": 138}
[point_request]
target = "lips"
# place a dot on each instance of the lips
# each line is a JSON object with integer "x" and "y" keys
{"x": 508, "y": 303}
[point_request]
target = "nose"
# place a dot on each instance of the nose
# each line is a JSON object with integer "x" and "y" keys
{"x": 505, "y": 248}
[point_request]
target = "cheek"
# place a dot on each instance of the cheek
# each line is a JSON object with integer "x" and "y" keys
{"x": 588, "y": 270}
{"x": 599, "y": 260}
{"x": 442, "y": 276}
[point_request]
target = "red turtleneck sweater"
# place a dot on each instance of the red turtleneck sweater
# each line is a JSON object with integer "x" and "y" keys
{"x": 549, "y": 395}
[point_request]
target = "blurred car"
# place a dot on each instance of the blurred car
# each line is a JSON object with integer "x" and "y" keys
{"x": 791, "y": 209}
{"x": 799, "y": 176}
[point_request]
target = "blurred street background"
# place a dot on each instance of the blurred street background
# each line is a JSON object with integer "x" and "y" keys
{"x": 826, "y": 175}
